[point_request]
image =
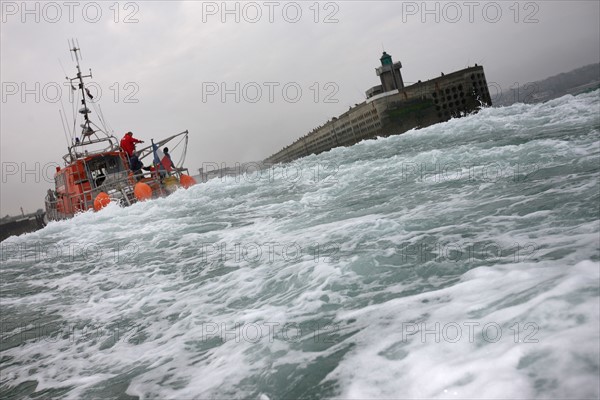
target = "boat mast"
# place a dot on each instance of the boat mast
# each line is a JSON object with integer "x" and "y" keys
{"x": 80, "y": 148}
{"x": 87, "y": 130}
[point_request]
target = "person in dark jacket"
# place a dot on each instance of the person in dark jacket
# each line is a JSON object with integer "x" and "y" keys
{"x": 136, "y": 166}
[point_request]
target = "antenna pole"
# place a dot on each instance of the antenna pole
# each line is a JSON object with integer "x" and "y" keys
{"x": 87, "y": 129}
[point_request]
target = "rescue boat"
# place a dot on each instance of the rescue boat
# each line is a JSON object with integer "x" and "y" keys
{"x": 98, "y": 171}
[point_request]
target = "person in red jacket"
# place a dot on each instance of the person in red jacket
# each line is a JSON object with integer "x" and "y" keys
{"x": 128, "y": 143}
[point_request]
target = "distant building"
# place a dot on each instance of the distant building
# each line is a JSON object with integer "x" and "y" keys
{"x": 392, "y": 108}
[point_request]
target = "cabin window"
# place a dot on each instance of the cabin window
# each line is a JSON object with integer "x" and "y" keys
{"x": 102, "y": 166}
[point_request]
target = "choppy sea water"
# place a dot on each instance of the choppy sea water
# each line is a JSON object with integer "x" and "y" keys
{"x": 456, "y": 261}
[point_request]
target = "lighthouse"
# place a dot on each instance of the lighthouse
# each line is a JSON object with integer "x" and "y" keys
{"x": 389, "y": 73}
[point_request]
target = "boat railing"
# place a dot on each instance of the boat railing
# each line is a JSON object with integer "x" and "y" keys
{"x": 120, "y": 190}
{"x": 83, "y": 148}
{"x": 52, "y": 213}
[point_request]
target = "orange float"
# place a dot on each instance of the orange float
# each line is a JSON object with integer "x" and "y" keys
{"x": 101, "y": 201}
{"x": 142, "y": 191}
{"x": 186, "y": 181}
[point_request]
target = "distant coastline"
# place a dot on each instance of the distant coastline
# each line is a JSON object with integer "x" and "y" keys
{"x": 574, "y": 82}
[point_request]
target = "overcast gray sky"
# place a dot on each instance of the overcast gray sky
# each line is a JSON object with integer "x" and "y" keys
{"x": 286, "y": 67}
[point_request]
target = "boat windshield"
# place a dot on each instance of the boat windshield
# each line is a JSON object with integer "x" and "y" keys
{"x": 101, "y": 167}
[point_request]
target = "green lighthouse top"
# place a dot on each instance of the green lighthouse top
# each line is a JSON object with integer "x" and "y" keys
{"x": 386, "y": 59}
